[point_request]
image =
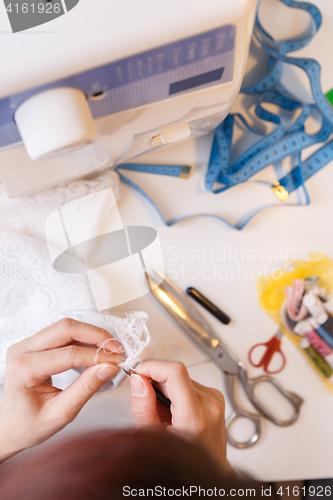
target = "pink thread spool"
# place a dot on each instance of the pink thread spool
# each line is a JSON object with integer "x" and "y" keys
{"x": 318, "y": 343}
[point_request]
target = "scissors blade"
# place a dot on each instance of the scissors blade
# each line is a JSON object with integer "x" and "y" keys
{"x": 180, "y": 308}
{"x": 200, "y": 332}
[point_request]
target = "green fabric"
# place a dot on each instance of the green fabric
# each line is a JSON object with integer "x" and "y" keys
{"x": 329, "y": 96}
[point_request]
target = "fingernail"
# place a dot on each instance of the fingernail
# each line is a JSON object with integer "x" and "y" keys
{"x": 118, "y": 345}
{"x": 106, "y": 372}
{"x": 137, "y": 387}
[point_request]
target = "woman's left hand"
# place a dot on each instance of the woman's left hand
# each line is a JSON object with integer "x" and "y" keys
{"x": 32, "y": 410}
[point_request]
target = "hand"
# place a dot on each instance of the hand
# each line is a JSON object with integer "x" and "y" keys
{"x": 31, "y": 409}
{"x": 195, "y": 409}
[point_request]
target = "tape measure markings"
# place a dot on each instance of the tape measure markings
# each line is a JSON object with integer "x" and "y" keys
{"x": 182, "y": 171}
{"x": 280, "y": 143}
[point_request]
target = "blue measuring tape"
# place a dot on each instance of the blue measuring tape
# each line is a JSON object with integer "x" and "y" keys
{"x": 172, "y": 170}
{"x": 277, "y": 145}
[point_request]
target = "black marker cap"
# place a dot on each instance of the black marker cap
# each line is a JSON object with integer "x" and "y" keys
{"x": 207, "y": 304}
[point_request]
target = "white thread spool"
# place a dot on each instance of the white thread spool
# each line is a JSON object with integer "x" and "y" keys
{"x": 55, "y": 122}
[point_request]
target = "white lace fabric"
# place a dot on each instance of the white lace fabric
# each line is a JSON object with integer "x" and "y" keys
{"x": 139, "y": 344}
{"x": 32, "y": 294}
{"x": 136, "y": 339}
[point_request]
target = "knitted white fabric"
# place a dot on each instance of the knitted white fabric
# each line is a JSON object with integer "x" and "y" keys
{"x": 32, "y": 294}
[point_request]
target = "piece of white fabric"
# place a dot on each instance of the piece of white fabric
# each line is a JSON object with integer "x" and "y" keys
{"x": 132, "y": 331}
{"x": 139, "y": 344}
{"x": 32, "y": 294}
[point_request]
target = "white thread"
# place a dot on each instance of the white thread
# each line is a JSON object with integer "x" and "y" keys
{"x": 109, "y": 352}
{"x": 138, "y": 343}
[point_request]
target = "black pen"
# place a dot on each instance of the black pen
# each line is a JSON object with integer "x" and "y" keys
{"x": 207, "y": 304}
{"x": 159, "y": 394}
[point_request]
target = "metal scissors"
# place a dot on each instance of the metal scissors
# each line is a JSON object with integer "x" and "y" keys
{"x": 272, "y": 350}
{"x": 200, "y": 332}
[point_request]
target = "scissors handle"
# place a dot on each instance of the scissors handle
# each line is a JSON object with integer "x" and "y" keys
{"x": 250, "y": 385}
{"x": 272, "y": 347}
{"x": 238, "y": 413}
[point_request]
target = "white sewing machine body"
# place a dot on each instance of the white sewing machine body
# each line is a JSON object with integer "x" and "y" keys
{"x": 152, "y": 74}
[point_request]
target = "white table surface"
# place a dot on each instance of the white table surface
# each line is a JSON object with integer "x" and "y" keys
{"x": 304, "y": 449}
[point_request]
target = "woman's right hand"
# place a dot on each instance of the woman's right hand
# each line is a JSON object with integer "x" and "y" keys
{"x": 195, "y": 409}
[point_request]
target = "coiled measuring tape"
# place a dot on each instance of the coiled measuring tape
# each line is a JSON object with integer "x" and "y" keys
{"x": 277, "y": 145}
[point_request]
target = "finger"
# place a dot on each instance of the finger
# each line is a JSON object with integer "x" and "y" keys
{"x": 164, "y": 413}
{"x": 64, "y": 332}
{"x": 209, "y": 391}
{"x": 175, "y": 380}
{"x": 143, "y": 402}
{"x": 162, "y": 387}
{"x": 34, "y": 368}
{"x": 71, "y": 400}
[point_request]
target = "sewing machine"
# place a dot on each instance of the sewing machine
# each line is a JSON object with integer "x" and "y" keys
{"x": 97, "y": 86}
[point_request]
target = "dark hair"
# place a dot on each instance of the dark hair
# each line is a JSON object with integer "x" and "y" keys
{"x": 100, "y": 465}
